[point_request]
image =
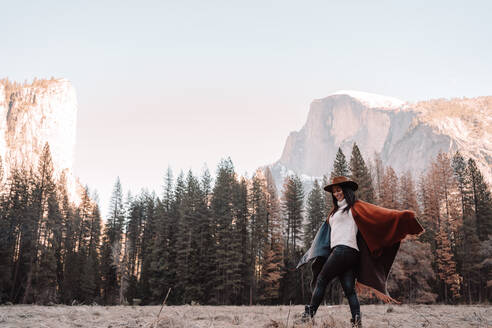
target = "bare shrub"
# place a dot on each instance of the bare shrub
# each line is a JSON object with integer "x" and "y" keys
{"x": 330, "y": 322}
{"x": 171, "y": 322}
{"x": 274, "y": 324}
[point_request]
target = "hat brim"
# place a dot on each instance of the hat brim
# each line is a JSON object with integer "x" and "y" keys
{"x": 351, "y": 184}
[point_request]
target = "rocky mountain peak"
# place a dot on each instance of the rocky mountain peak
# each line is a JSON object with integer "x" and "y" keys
{"x": 406, "y": 136}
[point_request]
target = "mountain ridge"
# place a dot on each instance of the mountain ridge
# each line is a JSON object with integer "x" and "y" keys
{"x": 407, "y": 136}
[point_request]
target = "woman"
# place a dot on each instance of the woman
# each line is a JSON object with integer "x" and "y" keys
{"x": 358, "y": 241}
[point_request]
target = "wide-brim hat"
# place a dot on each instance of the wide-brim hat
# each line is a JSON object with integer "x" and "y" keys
{"x": 341, "y": 181}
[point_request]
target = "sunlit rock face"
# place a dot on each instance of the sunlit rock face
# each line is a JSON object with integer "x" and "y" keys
{"x": 407, "y": 136}
{"x": 33, "y": 114}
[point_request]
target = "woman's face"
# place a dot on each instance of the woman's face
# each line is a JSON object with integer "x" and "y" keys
{"x": 338, "y": 193}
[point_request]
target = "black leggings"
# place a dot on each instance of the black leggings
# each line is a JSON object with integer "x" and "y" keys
{"x": 341, "y": 262}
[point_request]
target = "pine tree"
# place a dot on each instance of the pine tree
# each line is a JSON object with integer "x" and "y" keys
{"x": 444, "y": 187}
{"x": 462, "y": 177}
{"x": 175, "y": 224}
{"x": 467, "y": 237}
{"x": 43, "y": 188}
{"x": 407, "y": 193}
{"x": 51, "y": 257}
{"x": 22, "y": 224}
{"x": 259, "y": 229}
{"x": 226, "y": 267}
{"x": 360, "y": 174}
{"x": 447, "y": 265}
{"x": 378, "y": 177}
{"x": 136, "y": 221}
{"x": 292, "y": 207}
{"x": 86, "y": 247}
{"x": 85, "y": 214}
{"x": 112, "y": 247}
{"x": 328, "y": 198}
{"x": 94, "y": 229}
{"x": 340, "y": 166}
{"x": 5, "y": 241}
{"x": 93, "y": 260}
{"x": 292, "y": 203}
{"x": 206, "y": 238}
{"x": 116, "y": 217}
{"x": 483, "y": 270}
{"x": 71, "y": 265}
{"x": 8, "y": 238}
{"x": 241, "y": 216}
{"x": 188, "y": 261}
{"x": 389, "y": 189}
{"x": 89, "y": 249}
{"x": 149, "y": 201}
{"x": 173, "y": 201}
{"x": 272, "y": 271}
{"x": 316, "y": 213}
{"x": 447, "y": 191}
{"x": 271, "y": 274}
{"x": 161, "y": 272}
{"x": 168, "y": 197}
{"x": 430, "y": 215}
{"x": 482, "y": 201}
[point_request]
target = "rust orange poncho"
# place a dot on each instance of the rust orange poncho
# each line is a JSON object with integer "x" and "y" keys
{"x": 381, "y": 230}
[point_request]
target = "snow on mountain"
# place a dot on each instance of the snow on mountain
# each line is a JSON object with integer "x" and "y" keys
{"x": 372, "y": 100}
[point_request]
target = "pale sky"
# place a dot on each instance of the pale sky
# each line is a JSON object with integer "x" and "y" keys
{"x": 184, "y": 83}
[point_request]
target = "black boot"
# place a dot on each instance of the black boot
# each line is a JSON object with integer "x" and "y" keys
{"x": 356, "y": 321}
{"x": 307, "y": 315}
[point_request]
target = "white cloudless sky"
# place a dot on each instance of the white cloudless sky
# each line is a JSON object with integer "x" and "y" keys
{"x": 184, "y": 83}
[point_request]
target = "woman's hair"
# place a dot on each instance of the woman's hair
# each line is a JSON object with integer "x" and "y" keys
{"x": 349, "y": 195}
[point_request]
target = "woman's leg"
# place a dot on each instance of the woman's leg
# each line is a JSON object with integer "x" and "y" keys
{"x": 341, "y": 259}
{"x": 316, "y": 267}
{"x": 347, "y": 280}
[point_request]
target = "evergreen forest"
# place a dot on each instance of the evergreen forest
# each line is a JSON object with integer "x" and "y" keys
{"x": 234, "y": 240}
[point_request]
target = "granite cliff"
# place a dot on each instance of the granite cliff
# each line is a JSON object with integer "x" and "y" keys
{"x": 32, "y": 114}
{"x": 407, "y": 136}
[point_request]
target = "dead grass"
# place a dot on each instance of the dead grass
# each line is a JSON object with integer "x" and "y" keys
{"x": 187, "y": 316}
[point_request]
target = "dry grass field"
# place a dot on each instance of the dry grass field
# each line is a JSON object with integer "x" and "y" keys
{"x": 374, "y": 316}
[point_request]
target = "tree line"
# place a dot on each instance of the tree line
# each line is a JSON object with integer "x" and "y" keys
{"x": 233, "y": 239}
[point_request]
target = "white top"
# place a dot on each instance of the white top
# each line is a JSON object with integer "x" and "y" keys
{"x": 343, "y": 227}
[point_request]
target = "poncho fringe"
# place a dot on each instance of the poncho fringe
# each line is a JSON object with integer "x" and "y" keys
{"x": 369, "y": 292}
